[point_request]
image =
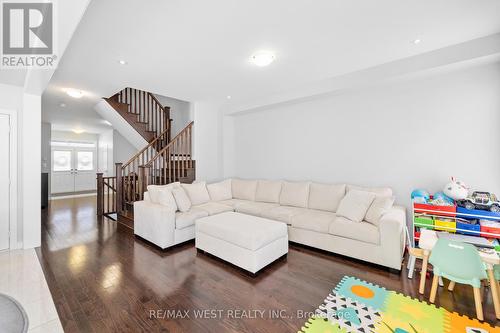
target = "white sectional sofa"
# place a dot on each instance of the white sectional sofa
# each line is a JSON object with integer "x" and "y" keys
{"x": 353, "y": 221}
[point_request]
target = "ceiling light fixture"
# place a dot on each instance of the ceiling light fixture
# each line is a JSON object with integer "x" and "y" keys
{"x": 228, "y": 96}
{"x": 417, "y": 41}
{"x": 63, "y": 105}
{"x": 122, "y": 62}
{"x": 78, "y": 131}
{"x": 74, "y": 93}
{"x": 262, "y": 58}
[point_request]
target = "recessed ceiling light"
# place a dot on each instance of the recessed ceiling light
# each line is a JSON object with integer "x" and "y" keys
{"x": 417, "y": 41}
{"x": 122, "y": 62}
{"x": 78, "y": 131}
{"x": 63, "y": 105}
{"x": 262, "y": 58}
{"x": 228, "y": 96}
{"x": 74, "y": 93}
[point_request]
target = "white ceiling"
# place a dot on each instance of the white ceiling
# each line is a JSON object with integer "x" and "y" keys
{"x": 198, "y": 50}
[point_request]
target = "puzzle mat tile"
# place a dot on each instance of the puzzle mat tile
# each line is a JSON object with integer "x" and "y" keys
{"x": 358, "y": 306}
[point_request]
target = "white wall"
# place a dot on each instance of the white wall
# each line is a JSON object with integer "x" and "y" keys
{"x": 122, "y": 149}
{"x": 105, "y": 162}
{"x": 72, "y": 136}
{"x": 30, "y": 168}
{"x": 207, "y": 141}
{"x": 405, "y": 135}
{"x": 179, "y": 112}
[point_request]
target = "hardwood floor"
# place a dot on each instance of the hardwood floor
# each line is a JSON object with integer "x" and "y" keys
{"x": 103, "y": 279}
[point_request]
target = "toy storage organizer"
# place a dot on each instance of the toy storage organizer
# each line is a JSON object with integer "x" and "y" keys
{"x": 454, "y": 219}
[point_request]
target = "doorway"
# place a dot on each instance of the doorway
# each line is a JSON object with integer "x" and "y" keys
{"x": 73, "y": 168}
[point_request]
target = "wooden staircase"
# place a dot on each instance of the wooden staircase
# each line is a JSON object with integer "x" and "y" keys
{"x": 162, "y": 161}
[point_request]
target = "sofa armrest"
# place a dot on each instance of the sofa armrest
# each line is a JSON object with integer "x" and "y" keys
{"x": 155, "y": 223}
{"x": 392, "y": 229}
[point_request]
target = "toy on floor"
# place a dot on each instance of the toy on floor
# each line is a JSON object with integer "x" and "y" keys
{"x": 456, "y": 189}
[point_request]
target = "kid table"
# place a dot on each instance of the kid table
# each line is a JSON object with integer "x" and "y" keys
{"x": 427, "y": 241}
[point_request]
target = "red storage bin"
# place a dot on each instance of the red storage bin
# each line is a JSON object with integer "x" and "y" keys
{"x": 490, "y": 229}
{"x": 435, "y": 210}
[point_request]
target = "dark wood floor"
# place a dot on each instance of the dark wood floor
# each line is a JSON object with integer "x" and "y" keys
{"x": 104, "y": 280}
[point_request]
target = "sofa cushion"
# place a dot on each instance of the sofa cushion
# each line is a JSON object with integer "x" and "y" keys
{"x": 379, "y": 207}
{"x": 282, "y": 213}
{"x": 379, "y": 191}
{"x": 220, "y": 191}
{"x": 154, "y": 190}
{"x": 361, "y": 231}
{"x": 355, "y": 205}
{"x": 233, "y": 202}
{"x": 244, "y": 189}
{"x": 254, "y": 208}
{"x": 268, "y": 191}
{"x": 213, "y": 208}
{"x": 294, "y": 194}
{"x": 314, "y": 220}
{"x": 197, "y": 193}
{"x": 186, "y": 219}
{"x": 181, "y": 199}
{"x": 325, "y": 197}
{"x": 246, "y": 231}
{"x": 166, "y": 198}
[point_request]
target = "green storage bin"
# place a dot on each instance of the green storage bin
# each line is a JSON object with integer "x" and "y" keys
{"x": 424, "y": 222}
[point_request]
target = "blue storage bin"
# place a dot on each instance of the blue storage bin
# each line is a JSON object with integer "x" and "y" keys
{"x": 476, "y": 228}
{"x": 483, "y": 214}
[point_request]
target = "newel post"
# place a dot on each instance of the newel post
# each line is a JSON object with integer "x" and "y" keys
{"x": 119, "y": 187}
{"x": 100, "y": 194}
{"x": 143, "y": 180}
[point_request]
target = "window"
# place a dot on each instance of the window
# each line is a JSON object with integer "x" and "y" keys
{"x": 62, "y": 160}
{"x": 85, "y": 161}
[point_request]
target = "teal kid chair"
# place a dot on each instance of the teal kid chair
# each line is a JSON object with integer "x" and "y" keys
{"x": 460, "y": 263}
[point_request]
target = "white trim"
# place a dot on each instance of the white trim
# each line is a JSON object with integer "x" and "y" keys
{"x": 73, "y": 196}
{"x": 13, "y": 223}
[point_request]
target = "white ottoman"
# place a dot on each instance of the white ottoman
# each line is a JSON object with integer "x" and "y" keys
{"x": 246, "y": 241}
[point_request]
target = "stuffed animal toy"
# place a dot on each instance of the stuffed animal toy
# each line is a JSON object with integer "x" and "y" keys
{"x": 456, "y": 189}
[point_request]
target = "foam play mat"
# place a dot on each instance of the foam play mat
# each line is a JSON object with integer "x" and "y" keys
{"x": 361, "y": 307}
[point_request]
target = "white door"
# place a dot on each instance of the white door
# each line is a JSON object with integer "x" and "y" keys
{"x": 4, "y": 181}
{"x": 85, "y": 170}
{"x": 63, "y": 180}
{"x": 73, "y": 170}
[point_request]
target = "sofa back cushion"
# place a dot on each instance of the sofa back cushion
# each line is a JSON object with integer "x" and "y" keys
{"x": 379, "y": 191}
{"x": 154, "y": 190}
{"x": 325, "y": 197}
{"x": 244, "y": 189}
{"x": 268, "y": 191}
{"x": 197, "y": 193}
{"x": 379, "y": 207}
{"x": 355, "y": 204}
{"x": 220, "y": 191}
{"x": 294, "y": 194}
{"x": 181, "y": 199}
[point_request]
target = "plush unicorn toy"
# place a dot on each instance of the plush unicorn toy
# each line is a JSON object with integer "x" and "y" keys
{"x": 456, "y": 189}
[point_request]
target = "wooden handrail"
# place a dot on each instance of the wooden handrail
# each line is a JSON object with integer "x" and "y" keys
{"x": 150, "y": 145}
{"x": 172, "y": 143}
{"x": 147, "y": 108}
{"x": 173, "y": 163}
